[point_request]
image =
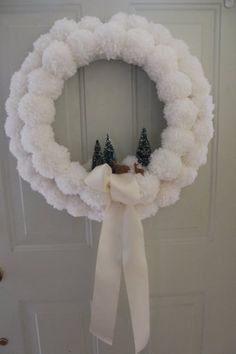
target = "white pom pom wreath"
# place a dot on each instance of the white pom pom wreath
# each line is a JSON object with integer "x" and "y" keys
{"x": 181, "y": 85}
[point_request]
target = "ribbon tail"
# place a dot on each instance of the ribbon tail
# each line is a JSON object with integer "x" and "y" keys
{"x": 107, "y": 275}
{"x": 136, "y": 276}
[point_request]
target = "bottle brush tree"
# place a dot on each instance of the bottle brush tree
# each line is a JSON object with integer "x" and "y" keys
{"x": 143, "y": 151}
{"x": 97, "y": 155}
{"x": 109, "y": 152}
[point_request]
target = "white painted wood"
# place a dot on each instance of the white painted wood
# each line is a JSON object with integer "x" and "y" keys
{"x": 49, "y": 257}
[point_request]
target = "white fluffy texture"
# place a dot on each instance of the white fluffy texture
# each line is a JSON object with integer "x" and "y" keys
{"x": 191, "y": 66}
{"x": 16, "y": 148}
{"x": 58, "y": 60}
{"x": 162, "y": 62}
{"x": 205, "y": 106}
{"x": 203, "y": 131}
{"x": 11, "y": 106}
{"x": 12, "y": 126}
{"x": 110, "y": 37}
{"x": 186, "y": 177}
{"x": 138, "y": 44}
{"x": 174, "y": 86}
{"x": 35, "y": 109}
{"x": 71, "y": 180}
{"x": 89, "y": 23}
{"x": 42, "y": 42}
{"x": 76, "y": 207}
{"x": 62, "y": 28}
{"x": 130, "y": 160}
{"x": 83, "y": 45}
{"x": 165, "y": 164}
{"x": 36, "y": 138}
{"x": 196, "y": 157}
{"x": 94, "y": 199}
{"x": 181, "y": 113}
{"x": 55, "y": 198}
{"x": 121, "y": 18}
{"x": 149, "y": 186}
{"x": 160, "y": 33}
{"x": 168, "y": 195}
{"x": 50, "y": 167}
{"x": 177, "y": 140}
{"x": 51, "y": 162}
{"x": 180, "y": 47}
{"x": 40, "y": 82}
{"x": 31, "y": 62}
{"x": 147, "y": 210}
{"x": 18, "y": 84}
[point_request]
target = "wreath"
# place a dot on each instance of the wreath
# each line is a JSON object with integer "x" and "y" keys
{"x": 156, "y": 180}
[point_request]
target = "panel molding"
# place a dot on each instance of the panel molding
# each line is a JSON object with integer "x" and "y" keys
{"x": 215, "y": 8}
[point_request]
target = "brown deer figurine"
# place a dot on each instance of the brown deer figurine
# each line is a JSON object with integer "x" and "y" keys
{"x": 119, "y": 169}
{"x": 138, "y": 169}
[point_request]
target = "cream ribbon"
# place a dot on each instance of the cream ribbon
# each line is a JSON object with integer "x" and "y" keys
{"x": 121, "y": 245}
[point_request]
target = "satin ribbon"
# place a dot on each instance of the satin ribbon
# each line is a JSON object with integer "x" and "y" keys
{"x": 121, "y": 245}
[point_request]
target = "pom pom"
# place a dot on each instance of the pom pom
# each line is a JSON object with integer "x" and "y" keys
{"x": 62, "y": 28}
{"x": 53, "y": 161}
{"x": 42, "y": 42}
{"x": 168, "y": 195}
{"x": 174, "y": 86}
{"x": 71, "y": 181}
{"x": 82, "y": 44}
{"x": 11, "y": 106}
{"x": 203, "y": 131}
{"x": 94, "y": 199}
{"x": 147, "y": 210}
{"x": 36, "y": 138}
{"x": 136, "y": 21}
{"x": 58, "y": 60}
{"x": 165, "y": 164}
{"x": 205, "y": 106}
{"x": 162, "y": 61}
{"x": 31, "y": 62}
{"x": 181, "y": 113}
{"x": 40, "y": 82}
{"x": 149, "y": 187}
{"x": 191, "y": 66}
{"x": 196, "y": 157}
{"x": 160, "y": 34}
{"x": 180, "y": 47}
{"x": 25, "y": 169}
{"x": 16, "y": 148}
{"x": 18, "y": 84}
{"x": 13, "y": 126}
{"x": 121, "y": 19}
{"x": 55, "y": 198}
{"x": 89, "y": 23}
{"x": 76, "y": 207}
{"x": 110, "y": 38}
{"x": 186, "y": 177}
{"x": 177, "y": 140}
{"x": 137, "y": 45}
{"x": 36, "y": 109}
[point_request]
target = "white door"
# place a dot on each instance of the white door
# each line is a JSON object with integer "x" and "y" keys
{"x": 48, "y": 258}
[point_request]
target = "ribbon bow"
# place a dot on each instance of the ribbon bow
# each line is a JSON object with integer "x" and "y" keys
{"x": 121, "y": 245}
